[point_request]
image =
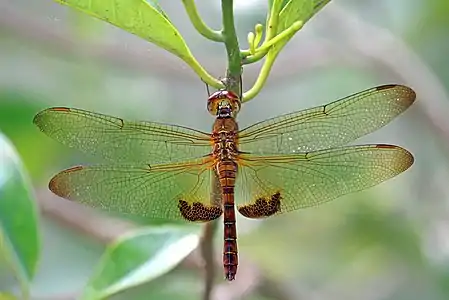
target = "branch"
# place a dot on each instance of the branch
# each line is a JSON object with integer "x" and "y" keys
{"x": 82, "y": 219}
{"x": 208, "y": 255}
{"x": 234, "y": 72}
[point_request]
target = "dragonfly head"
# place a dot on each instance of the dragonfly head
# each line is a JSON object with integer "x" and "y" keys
{"x": 223, "y": 104}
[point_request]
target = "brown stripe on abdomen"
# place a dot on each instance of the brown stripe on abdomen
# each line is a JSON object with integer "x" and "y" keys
{"x": 226, "y": 173}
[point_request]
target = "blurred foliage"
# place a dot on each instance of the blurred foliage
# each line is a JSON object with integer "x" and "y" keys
{"x": 19, "y": 237}
{"x": 390, "y": 242}
{"x": 139, "y": 257}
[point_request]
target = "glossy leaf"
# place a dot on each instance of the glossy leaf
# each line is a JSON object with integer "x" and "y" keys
{"x": 146, "y": 20}
{"x": 19, "y": 238}
{"x": 293, "y": 11}
{"x": 270, "y": 3}
{"x": 299, "y": 10}
{"x": 140, "y": 257}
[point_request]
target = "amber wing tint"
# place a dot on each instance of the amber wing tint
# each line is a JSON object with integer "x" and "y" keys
{"x": 121, "y": 141}
{"x": 268, "y": 185}
{"x": 331, "y": 125}
{"x": 173, "y": 192}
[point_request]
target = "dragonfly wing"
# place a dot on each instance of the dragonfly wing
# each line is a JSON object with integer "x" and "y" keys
{"x": 118, "y": 140}
{"x": 275, "y": 184}
{"x": 172, "y": 192}
{"x": 331, "y": 125}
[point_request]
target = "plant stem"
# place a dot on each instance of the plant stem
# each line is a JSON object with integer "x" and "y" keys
{"x": 208, "y": 254}
{"x": 234, "y": 71}
{"x": 199, "y": 24}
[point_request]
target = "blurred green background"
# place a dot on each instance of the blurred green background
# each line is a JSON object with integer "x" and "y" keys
{"x": 389, "y": 242}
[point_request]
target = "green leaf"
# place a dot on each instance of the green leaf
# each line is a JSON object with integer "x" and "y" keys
{"x": 295, "y": 10}
{"x": 146, "y": 20}
{"x": 19, "y": 237}
{"x": 270, "y": 3}
{"x": 140, "y": 257}
{"x": 299, "y": 10}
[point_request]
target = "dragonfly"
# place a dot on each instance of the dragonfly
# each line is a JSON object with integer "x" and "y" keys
{"x": 290, "y": 162}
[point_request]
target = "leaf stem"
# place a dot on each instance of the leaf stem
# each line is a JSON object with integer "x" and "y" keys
{"x": 272, "y": 21}
{"x": 199, "y": 24}
{"x": 269, "y": 61}
{"x": 202, "y": 73}
{"x": 263, "y": 50}
{"x": 261, "y": 79}
{"x": 234, "y": 71}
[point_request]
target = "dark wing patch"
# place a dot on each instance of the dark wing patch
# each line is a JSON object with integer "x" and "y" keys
{"x": 262, "y": 207}
{"x": 199, "y": 212}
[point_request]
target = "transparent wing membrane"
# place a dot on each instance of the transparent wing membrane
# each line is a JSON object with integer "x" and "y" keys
{"x": 331, "y": 125}
{"x": 121, "y": 141}
{"x": 276, "y": 184}
{"x": 172, "y": 192}
{"x": 286, "y": 163}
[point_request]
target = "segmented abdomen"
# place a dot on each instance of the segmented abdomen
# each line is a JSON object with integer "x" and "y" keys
{"x": 227, "y": 171}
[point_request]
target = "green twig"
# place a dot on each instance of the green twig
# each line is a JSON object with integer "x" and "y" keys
{"x": 234, "y": 71}
{"x": 258, "y": 32}
{"x": 258, "y": 29}
{"x": 261, "y": 79}
{"x": 263, "y": 50}
{"x": 199, "y": 24}
{"x": 269, "y": 61}
{"x": 252, "y": 46}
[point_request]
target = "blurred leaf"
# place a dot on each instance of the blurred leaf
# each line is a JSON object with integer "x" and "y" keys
{"x": 144, "y": 19}
{"x": 369, "y": 226}
{"x": 17, "y": 109}
{"x": 6, "y": 296}
{"x": 19, "y": 240}
{"x": 174, "y": 285}
{"x": 139, "y": 257}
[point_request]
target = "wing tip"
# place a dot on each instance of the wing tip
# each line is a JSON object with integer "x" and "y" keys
{"x": 59, "y": 185}
{"x": 38, "y": 118}
{"x": 405, "y": 159}
{"x": 408, "y": 95}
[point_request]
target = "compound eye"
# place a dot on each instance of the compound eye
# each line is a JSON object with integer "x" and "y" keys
{"x": 235, "y": 105}
{"x": 212, "y": 106}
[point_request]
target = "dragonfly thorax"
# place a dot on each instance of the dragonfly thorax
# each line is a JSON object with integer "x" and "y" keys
{"x": 225, "y": 145}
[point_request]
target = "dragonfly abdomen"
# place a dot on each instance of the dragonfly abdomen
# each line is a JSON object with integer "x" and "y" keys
{"x": 226, "y": 173}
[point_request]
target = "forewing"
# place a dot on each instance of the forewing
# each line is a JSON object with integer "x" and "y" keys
{"x": 121, "y": 141}
{"x": 172, "y": 192}
{"x": 274, "y": 184}
{"x": 331, "y": 125}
